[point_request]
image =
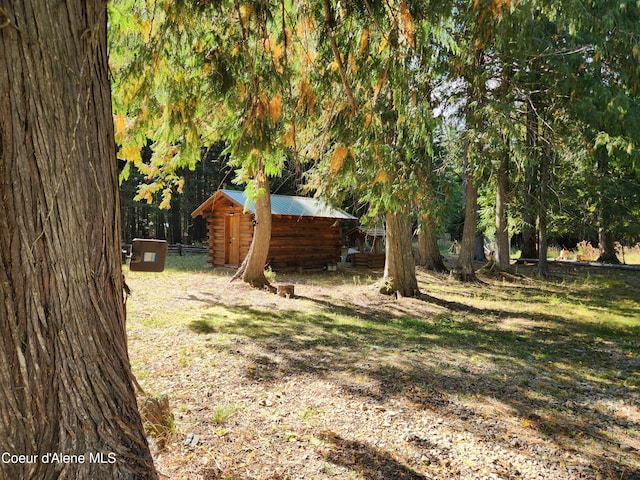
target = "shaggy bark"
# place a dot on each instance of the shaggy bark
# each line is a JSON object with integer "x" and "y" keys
{"x": 607, "y": 246}
{"x": 65, "y": 378}
{"x": 399, "y": 268}
{"x": 252, "y": 268}
{"x": 465, "y": 270}
{"x": 479, "y": 254}
{"x": 428, "y": 252}
{"x": 502, "y": 255}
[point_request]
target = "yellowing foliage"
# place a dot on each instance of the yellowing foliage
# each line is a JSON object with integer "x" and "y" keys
{"x": 275, "y": 48}
{"x": 173, "y": 151}
{"x": 260, "y": 107}
{"x": 119, "y": 125}
{"x": 131, "y": 153}
{"x": 145, "y": 29}
{"x": 275, "y": 108}
{"x": 245, "y": 13}
{"x": 381, "y": 177}
{"x": 242, "y": 92}
{"x": 407, "y": 23}
{"x": 367, "y": 120}
{"x": 383, "y": 46}
{"x": 276, "y": 51}
{"x": 290, "y": 137}
{"x": 340, "y": 154}
{"x": 494, "y": 6}
{"x": 364, "y": 41}
{"x": 351, "y": 64}
{"x": 199, "y": 45}
{"x": 307, "y": 98}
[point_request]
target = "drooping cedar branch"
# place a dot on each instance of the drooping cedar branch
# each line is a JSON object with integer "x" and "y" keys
{"x": 328, "y": 13}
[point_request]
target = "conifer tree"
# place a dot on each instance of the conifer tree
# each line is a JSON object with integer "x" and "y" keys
{"x": 377, "y": 117}
{"x": 67, "y": 397}
{"x": 189, "y": 74}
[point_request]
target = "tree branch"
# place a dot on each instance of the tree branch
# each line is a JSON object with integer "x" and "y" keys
{"x": 336, "y": 52}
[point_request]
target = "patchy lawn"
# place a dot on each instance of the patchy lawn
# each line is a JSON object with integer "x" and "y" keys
{"x": 509, "y": 378}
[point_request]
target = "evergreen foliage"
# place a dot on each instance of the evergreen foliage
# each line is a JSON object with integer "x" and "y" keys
{"x": 370, "y": 95}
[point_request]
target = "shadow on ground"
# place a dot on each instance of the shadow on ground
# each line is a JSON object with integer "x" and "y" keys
{"x": 554, "y": 373}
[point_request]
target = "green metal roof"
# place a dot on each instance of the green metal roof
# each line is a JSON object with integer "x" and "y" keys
{"x": 285, "y": 205}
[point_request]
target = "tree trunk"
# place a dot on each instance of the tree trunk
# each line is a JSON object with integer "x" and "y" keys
{"x": 607, "y": 245}
{"x": 502, "y": 255}
{"x": 65, "y": 378}
{"x": 465, "y": 270}
{"x": 545, "y": 161}
{"x": 175, "y": 219}
{"x": 606, "y": 241}
{"x": 428, "y": 252}
{"x": 252, "y": 268}
{"x": 478, "y": 243}
{"x": 529, "y": 247}
{"x": 399, "y": 268}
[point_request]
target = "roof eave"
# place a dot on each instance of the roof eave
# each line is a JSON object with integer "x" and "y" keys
{"x": 209, "y": 202}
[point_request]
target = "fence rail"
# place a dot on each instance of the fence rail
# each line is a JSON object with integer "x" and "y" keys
{"x": 181, "y": 249}
{"x": 176, "y": 248}
{"x": 621, "y": 266}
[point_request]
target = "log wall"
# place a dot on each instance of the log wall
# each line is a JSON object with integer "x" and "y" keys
{"x": 368, "y": 260}
{"x": 304, "y": 242}
{"x": 218, "y": 238}
{"x": 297, "y": 243}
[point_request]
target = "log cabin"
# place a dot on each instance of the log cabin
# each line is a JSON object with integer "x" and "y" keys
{"x": 306, "y": 233}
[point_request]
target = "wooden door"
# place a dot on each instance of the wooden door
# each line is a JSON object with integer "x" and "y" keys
{"x": 232, "y": 240}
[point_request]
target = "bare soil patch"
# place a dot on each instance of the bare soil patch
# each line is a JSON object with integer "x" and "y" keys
{"x": 509, "y": 378}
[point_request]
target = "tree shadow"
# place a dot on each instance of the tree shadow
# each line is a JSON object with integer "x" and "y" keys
{"x": 553, "y": 373}
{"x": 202, "y": 326}
{"x": 365, "y": 459}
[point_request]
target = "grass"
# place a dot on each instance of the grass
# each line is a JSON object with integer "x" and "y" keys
{"x": 631, "y": 254}
{"x": 552, "y": 362}
{"x": 222, "y": 413}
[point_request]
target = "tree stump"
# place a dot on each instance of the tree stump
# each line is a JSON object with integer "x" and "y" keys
{"x": 285, "y": 291}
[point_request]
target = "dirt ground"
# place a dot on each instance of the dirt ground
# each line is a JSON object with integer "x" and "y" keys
{"x": 510, "y": 378}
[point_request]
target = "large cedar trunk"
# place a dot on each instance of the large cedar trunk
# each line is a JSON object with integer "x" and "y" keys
{"x": 465, "y": 270}
{"x": 252, "y": 268}
{"x": 65, "y": 379}
{"x": 428, "y": 252}
{"x": 399, "y": 268}
{"x": 502, "y": 256}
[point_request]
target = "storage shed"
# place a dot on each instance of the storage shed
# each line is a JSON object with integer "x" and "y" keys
{"x": 306, "y": 233}
{"x": 373, "y": 258}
